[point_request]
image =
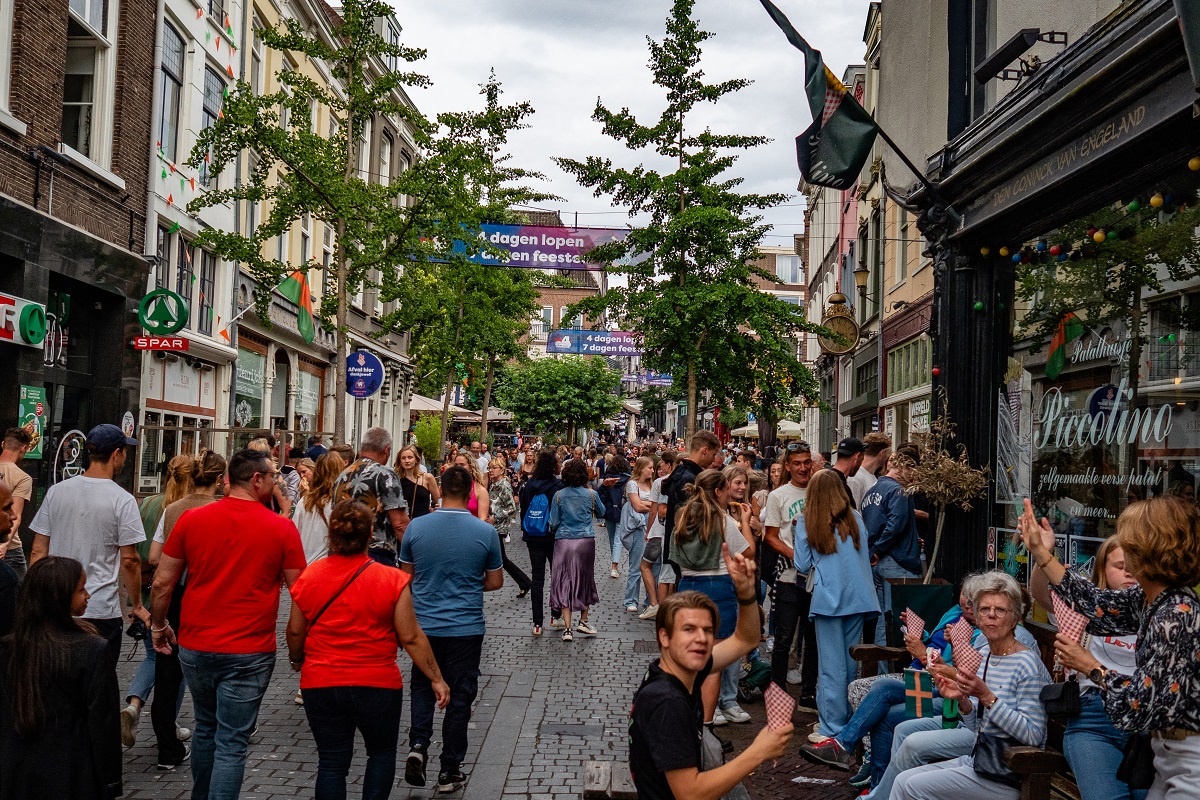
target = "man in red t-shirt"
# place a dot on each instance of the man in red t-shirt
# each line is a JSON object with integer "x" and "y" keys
{"x": 235, "y": 553}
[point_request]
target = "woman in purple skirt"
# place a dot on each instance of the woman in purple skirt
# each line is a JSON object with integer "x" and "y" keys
{"x": 573, "y": 579}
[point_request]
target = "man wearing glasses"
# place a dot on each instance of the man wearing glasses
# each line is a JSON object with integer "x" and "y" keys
{"x": 790, "y": 600}
{"x": 236, "y": 552}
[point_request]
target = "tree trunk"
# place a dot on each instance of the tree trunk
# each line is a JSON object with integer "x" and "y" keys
{"x": 693, "y": 398}
{"x": 487, "y": 400}
{"x": 340, "y": 338}
{"x": 937, "y": 543}
{"x": 450, "y": 383}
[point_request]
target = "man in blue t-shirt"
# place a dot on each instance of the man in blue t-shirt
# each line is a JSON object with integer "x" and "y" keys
{"x": 454, "y": 558}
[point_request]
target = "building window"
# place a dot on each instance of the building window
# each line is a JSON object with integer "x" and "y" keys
{"x": 305, "y": 238}
{"x": 217, "y": 9}
{"x": 787, "y": 268}
{"x": 364, "y": 151}
{"x": 163, "y": 251}
{"x": 385, "y": 160}
{"x": 393, "y": 40}
{"x": 866, "y": 379}
{"x": 88, "y": 82}
{"x": 327, "y": 261}
{"x": 6, "y": 22}
{"x": 185, "y": 277}
{"x": 252, "y": 215}
{"x": 172, "y": 88}
{"x": 566, "y": 322}
{"x": 256, "y": 57}
{"x": 214, "y": 96}
{"x": 541, "y": 324}
{"x": 902, "y": 245}
{"x": 281, "y": 247}
{"x": 208, "y": 283}
{"x": 908, "y": 366}
{"x": 405, "y": 163}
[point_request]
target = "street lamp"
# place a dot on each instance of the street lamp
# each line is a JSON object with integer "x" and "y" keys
{"x": 861, "y": 275}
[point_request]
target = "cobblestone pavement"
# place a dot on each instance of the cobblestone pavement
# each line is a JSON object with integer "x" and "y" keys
{"x": 545, "y": 708}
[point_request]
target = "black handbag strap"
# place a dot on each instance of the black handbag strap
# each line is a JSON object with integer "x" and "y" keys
{"x": 338, "y": 593}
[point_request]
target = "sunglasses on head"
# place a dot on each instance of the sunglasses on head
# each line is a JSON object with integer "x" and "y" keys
{"x": 799, "y": 447}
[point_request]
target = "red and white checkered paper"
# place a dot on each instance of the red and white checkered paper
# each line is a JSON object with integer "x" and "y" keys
{"x": 780, "y": 706}
{"x": 1070, "y": 621}
{"x": 966, "y": 657}
{"x": 913, "y": 623}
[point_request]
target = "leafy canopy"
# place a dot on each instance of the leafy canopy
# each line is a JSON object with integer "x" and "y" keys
{"x": 560, "y": 394}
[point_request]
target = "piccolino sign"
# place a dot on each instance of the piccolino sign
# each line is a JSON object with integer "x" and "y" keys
{"x": 1064, "y": 426}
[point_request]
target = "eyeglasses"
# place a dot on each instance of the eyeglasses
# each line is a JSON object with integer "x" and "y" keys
{"x": 993, "y": 611}
{"x": 799, "y": 447}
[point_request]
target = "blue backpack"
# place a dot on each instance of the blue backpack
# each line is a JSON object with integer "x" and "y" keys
{"x": 537, "y": 517}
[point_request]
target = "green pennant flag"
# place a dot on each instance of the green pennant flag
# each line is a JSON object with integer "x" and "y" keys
{"x": 1070, "y": 328}
{"x": 295, "y": 288}
{"x": 164, "y": 172}
{"x": 174, "y": 227}
{"x": 1189, "y": 25}
{"x": 918, "y": 694}
{"x": 832, "y": 151}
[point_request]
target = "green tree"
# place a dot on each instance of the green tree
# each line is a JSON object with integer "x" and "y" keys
{"x": 562, "y": 395}
{"x": 381, "y": 230}
{"x": 428, "y": 431}
{"x": 692, "y": 297}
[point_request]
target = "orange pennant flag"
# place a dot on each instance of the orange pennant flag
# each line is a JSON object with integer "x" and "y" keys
{"x": 192, "y": 181}
{"x": 170, "y": 199}
{"x": 171, "y": 164}
{"x": 199, "y": 13}
{"x": 229, "y": 69}
{"x": 218, "y": 44}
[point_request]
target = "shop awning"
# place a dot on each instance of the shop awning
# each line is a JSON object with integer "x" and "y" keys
{"x": 788, "y": 427}
{"x": 749, "y": 430}
{"x": 420, "y": 404}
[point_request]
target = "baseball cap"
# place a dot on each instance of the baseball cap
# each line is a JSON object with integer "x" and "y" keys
{"x": 104, "y": 439}
{"x": 851, "y": 447}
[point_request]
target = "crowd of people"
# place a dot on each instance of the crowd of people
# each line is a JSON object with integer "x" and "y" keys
{"x": 745, "y": 565}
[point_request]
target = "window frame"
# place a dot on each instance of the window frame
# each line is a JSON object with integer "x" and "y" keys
{"x": 208, "y": 286}
{"x": 104, "y": 76}
{"x": 6, "y": 28}
{"x": 208, "y": 117}
{"x": 185, "y": 270}
{"x": 170, "y": 147}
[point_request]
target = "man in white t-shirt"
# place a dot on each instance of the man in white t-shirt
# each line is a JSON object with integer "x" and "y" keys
{"x": 93, "y": 520}
{"x": 789, "y": 600}
{"x": 878, "y": 447}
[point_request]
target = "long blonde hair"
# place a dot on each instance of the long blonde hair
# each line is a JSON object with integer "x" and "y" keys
{"x": 416, "y": 477}
{"x": 473, "y": 468}
{"x": 826, "y": 508}
{"x": 701, "y": 515}
{"x": 641, "y": 464}
{"x": 325, "y": 474}
{"x": 181, "y": 472}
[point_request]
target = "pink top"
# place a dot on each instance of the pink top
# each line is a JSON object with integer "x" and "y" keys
{"x": 473, "y": 503}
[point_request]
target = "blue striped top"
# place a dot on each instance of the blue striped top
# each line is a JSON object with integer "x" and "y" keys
{"x": 1017, "y": 682}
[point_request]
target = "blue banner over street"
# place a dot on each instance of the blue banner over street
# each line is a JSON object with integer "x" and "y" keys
{"x": 593, "y": 343}
{"x": 541, "y": 247}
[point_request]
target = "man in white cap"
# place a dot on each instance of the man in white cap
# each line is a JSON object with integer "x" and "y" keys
{"x": 93, "y": 520}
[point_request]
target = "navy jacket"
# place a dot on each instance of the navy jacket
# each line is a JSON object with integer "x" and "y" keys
{"x": 892, "y": 523}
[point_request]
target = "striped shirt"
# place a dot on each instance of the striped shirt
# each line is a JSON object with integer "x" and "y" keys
{"x": 1017, "y": 682}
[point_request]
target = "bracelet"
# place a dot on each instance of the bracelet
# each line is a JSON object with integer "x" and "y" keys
{"x": 158, "y": 630}
{"x": 751, "y": 601}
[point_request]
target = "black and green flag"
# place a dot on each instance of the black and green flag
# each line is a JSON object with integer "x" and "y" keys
{"x": 1189, "y": 24}
{"x": 832, "y": 151}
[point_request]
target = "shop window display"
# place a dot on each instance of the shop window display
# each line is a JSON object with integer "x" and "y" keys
{"x": 1100, "y": 405}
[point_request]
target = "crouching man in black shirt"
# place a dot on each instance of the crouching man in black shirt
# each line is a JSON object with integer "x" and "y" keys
{"x": 666, "y": 724}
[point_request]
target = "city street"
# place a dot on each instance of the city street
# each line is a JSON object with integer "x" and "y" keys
{"x": 545, "y": 709}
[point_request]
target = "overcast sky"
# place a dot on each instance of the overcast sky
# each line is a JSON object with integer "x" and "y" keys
{"x": 560, "y": 55}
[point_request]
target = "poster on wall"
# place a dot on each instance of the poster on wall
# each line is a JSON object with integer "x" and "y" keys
{"x": 1083, "y": 551}
{"x": 31, "y": 415}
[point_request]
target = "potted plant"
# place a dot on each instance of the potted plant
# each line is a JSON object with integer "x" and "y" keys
{"x": 945, "y": 474}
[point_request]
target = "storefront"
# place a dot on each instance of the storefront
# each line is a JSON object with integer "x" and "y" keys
{"x": 908, "y": 354}
{"x": 1067, "y": 307}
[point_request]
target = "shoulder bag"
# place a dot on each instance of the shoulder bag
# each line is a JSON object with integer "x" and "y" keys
{"x": 336, "y": 595}
{"x": 988, "y": 753}
{"x": 1137, "y": 762}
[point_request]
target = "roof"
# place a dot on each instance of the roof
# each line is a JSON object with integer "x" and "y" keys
{"x": 545, "y": 219}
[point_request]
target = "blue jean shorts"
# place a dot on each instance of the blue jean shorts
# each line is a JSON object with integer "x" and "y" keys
{"x": 719, "y": 589}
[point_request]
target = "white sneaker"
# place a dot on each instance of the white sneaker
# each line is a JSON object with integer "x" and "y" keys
{"x": 814, "y": 736}
{"x": 632, "y": 608}
{"x": 735, "y": 713}
{"x": 650, "y": 613}
{"x": 612, "y": 573}
{"x": 795, "y": 677}
{"x": 769, "y": 644}
{"x": 557, "y": 622}
{"x": 719, "y": 719}
{"x": 508, "y": 538}
{"x": 182, "y": 733}
{"x": 129, "y": 724}
{"x": 585, "y": 627}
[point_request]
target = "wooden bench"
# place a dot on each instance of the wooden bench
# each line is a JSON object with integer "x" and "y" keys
{"x": 608, "y": 780}
{"x": 1044, "y": 770}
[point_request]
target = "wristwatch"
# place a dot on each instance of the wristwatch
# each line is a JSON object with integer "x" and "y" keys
{"x": 1096, "y": 676}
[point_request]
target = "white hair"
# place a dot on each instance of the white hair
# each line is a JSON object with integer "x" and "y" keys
{"x": 375, "y": 440}
{"x": 996, "y": 582}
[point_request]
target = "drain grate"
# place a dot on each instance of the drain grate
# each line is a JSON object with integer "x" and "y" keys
{"x": 582, "y": 731}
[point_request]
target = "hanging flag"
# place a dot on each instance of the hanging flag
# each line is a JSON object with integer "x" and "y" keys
{"x": 229, "y": 69}
{"x": 199, "y": 13}
{"x": 164, "y": 172}
{"x": 218, "y": 44}
{"x": 171, "y": 164}
{"x": 1070, "y": 328}
{"x": 174, "y": 227}
{"x": 832, "y": 151}
{"x": 223, "y": 332}
{"x": 170, "y": 199}
{"x": 918, "y": 694}
{"x": 208, "y": 36}
{"x": 295, "y": 288}
{"x": 1189, "y": 25}
{"x": 192, "y": 181}
{"x": 182, "y": 183}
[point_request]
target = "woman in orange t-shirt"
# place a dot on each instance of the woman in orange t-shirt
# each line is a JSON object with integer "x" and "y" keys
{"x": 348, "y": 613}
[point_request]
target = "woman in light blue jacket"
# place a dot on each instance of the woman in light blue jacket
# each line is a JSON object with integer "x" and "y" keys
{"x": 573, "y": 573}
{"x": 831, "y": 540}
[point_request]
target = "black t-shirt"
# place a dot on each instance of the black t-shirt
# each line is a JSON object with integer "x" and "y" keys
{"x": 845, "y": 485}
{"x": 665, "y": 726}
{"x": 674, "y": 487}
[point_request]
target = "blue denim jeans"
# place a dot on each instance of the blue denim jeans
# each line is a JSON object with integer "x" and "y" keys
{"x": 1094, "y": 747}
{"x": 334, "y": 714}
{"x": 614, "y": 541}
{"x": 634, "y": 543}
{"x": 836, "y": 668}
{"x": 458, "y": 659}
{"x": 886, "y": 568}
{"x": 918, "y": 742}
{"x": 877, "y": 716}
{"x": 729, "y": 684}
{"x": 227, "y": 690}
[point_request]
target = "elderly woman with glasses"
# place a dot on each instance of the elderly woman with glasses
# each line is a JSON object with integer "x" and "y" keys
{"x": 1000, "y": 702}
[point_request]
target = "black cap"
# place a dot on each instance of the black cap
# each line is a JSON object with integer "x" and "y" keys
{"x": 104, "y": 439}
{"x": 851, "y": 447}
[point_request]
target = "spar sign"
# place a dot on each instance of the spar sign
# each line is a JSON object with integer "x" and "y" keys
{"x": 541, "y": 247}
{"x": 22, "y": 321}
